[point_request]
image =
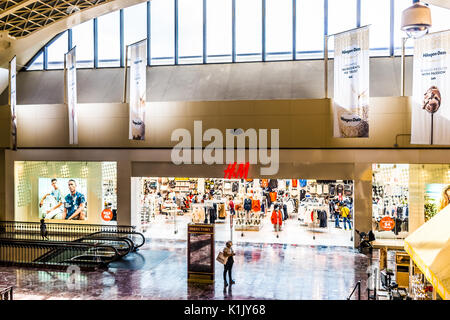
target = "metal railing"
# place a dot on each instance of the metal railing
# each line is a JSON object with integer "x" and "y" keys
{"x": 6, "y": 293}
{"x": 56, "y": 254}
{"x": 357, "y": 286}
{"x": 68, "y": 231}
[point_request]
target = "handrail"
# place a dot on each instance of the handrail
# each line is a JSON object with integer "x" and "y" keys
{"x": 358, "y": 285}
{"x": 6, "y": 293}
{"x": 11, "y": 253}
{"x": 129, "y": 242}
{"x": 124, "y": 232}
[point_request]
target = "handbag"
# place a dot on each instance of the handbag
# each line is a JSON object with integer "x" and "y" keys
{"x": 221, "y": 258}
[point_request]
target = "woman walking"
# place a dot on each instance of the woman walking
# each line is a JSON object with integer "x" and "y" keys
{"x": 228, "y": 266}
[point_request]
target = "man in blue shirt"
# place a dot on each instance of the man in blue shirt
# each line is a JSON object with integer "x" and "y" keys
{"x": 74, "y": 204}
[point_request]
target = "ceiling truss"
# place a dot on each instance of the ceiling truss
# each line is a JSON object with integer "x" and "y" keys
{"x": 22, "y": 17}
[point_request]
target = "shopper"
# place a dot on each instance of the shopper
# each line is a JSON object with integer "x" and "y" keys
{"x": 44, "y": 232}
{"x": 228, "y": 252}
{"x": 231, "y": 205}
{"x": 345, "y": 212}
{"x": 337, "y": 216}
{"x": 276, "y": 218}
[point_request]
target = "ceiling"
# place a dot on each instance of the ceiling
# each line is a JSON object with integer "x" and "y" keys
{"x": 22, "y": 17}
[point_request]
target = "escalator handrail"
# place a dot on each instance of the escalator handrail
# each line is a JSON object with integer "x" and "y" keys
{"x": 69, "y": 224}
{"x": 128, "y": 241}
{"x": 131, "y": 233}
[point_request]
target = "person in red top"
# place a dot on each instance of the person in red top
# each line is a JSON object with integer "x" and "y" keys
{"x": 276, "y": 218}
{"x": 231, "y": 205}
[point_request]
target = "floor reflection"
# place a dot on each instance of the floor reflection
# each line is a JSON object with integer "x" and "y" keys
{"x": 159, "y": 271}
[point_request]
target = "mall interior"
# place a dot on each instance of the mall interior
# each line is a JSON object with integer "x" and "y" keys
{"x": 90, "y": 209}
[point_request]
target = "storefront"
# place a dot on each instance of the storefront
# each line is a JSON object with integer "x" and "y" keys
{"x": 293, "y": 211}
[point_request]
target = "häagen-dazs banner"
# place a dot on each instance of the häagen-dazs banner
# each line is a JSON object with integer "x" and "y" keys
{"x": 13, "y": 101}
{"x": 70, "y": 68}
{"x": 138, "y": 69}
{"x": 351, "y": 84}
{"x": 431, "y": 90}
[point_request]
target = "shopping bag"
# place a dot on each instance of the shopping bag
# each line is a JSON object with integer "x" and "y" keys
{"x": 221, "y": 258}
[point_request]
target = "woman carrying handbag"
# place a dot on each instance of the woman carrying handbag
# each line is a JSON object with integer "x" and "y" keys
{"x": 226, "y": 258}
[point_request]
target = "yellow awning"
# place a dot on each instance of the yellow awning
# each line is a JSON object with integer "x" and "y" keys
{"x": 429, "y": 247}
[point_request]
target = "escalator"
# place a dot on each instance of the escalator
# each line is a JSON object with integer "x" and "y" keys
{"x": 88, "y": 246}
{"x": 57, "y": 254}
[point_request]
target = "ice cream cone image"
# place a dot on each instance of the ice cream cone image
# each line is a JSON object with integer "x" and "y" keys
{"x": 432, "y": 103}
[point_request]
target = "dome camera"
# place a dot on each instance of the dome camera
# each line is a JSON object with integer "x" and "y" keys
{"x": 416, "y": 20}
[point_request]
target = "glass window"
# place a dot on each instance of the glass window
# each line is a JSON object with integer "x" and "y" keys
{"x": 56, "y": 51}
{"x": 341, "y": 17}
{"x": 440, "y": 18}
{"x": 38, "y": 63}
{"x": 310, "y": 23}
{"x": 377, "y": 14}
{"x": 109, "y": 40}
{"x": 162, "y": 32}
{"x": 83, "y": 39}
{"x": 248, "y": 30}
{"x": 399, "y": 6}
{"x": 135, "y": 23}
{"x": 278, "y": 29}
{"x": 190, "y": 31}
{"x": 219, "y": 29}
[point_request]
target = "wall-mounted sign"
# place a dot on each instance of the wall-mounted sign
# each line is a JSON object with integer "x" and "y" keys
{"x": 13, "y": 101}
{"x": 431, "y": 90}
{"x": 138, "y": 88}
{"x": 107, "y": 215}
{"x": 70, "y": 72}
{"x": 387, "y": 223}
{"x": 351, "y": 84}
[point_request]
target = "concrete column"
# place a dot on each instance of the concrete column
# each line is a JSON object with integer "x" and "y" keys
{"x": 362, "y": 199}
{"x": 124, "y": 216}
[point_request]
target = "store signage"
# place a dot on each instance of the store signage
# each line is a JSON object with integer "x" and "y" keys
{"x": 250, "y": 146}
{"x": 107, "y": 214}
{"x": 431, "y": 90}
{"x": 13, "y": 101}
{"x": 387, "y": 223}
{"x": 351, "y": 84}
{"x": 138, "y": 89}
{"x": 70, "y": 73}
{"x": 235, "y": 171}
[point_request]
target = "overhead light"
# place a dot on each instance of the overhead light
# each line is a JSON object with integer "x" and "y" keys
{"x": 416, "y": 20}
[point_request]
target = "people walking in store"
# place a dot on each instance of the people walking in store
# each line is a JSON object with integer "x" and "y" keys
{"x": 229, "y": 253}
{"x": 337, "y": 216}
{"x": 345, "y": 213}
{"x": 231, "y": 206}
{"x": 276, "y": 218}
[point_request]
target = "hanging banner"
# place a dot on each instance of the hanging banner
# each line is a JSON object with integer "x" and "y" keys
{"x": 13, "y": 101}
{"x": 351, "y": 84}
{"x": 138, "y": 88}
{"x": 431, "y": 90}
{"x": 70, "y": 72}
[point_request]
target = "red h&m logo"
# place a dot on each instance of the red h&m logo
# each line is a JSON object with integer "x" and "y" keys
{"x": 241, "y": 173}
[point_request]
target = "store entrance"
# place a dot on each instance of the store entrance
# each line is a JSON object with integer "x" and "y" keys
{"x": 286, "y": 211}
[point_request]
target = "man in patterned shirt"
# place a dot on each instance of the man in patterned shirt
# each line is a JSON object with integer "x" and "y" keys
{"x": 74, "y": 204}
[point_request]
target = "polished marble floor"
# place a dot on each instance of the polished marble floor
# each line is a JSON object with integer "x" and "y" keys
{"x": 159, "y": 271}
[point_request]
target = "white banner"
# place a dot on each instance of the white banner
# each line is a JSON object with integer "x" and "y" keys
{"x": 431, "y": 90}
{"x": 351, "y": 84}
{"x": 13, "y": 101}
{"x": 138, "y": 88}
{"x": 70, "y": 70}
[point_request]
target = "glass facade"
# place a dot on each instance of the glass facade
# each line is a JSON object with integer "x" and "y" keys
{"x": 217, "y": 31}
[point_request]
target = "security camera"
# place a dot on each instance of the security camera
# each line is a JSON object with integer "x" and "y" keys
{"x": 416, "y": 20}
